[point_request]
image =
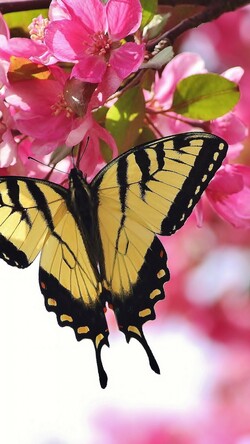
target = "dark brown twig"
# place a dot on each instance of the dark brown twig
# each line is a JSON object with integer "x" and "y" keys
{"x": 214, "y": 10}
{"x": 206, "y": 3}
{"x": 22, "y": 5}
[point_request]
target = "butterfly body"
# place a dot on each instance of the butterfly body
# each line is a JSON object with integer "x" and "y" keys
{"x": 81, "y": 202}
{"x": 98, "y": 240}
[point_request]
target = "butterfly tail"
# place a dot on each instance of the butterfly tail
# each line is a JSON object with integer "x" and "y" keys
{"x": 98, "y": 343}
{"x": 137, "y": 307}
{"x": 137, "y": 333}
{"x": 87, "y": 322}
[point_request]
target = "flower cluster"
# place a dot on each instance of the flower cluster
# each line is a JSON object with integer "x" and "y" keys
{"x": 57, "y": 86}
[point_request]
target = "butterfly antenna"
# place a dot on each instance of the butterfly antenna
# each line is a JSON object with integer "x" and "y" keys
{"x": 52, "y": 167}
{"x": 79, "y": 153}
{"x": 84, "y": 149}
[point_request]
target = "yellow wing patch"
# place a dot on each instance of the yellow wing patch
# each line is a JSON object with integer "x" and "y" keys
{"x": 64, "y": 256}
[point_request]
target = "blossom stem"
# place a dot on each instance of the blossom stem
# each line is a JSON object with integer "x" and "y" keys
{"x": 197, "y": 123}
{"x": 151, "y": 124}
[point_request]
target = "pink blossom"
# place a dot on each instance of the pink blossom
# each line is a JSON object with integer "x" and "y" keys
{"x": 90, "y": 38}
{"x": 37, "y": 32}
{"x": 88, "y": 133}
{"x": 38, "y": 167}
{"x": 8, "y": 145}
{"x": 33, "y": 49}
{"x": 92, "y": 160}
{"x": 229, "y": 194}
{"x": 230, "y": 126}
{"x": 4, "y": 56}
{"x": 41, "y": 111}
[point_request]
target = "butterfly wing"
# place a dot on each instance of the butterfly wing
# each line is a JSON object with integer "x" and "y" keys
{"x": 34, "y": 216}
{"x": 71, "y": 286}
{"x": 26, "y": 218}
{"x": 150, "y": 189}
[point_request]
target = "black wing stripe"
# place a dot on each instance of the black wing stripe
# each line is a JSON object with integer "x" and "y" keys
{"x": 41, "y": 203}
{"x": 143, "y": 162}
{"x": 122, "y": 168}
{"x": 160, "y": 154}
{"x": 14, "y": 196}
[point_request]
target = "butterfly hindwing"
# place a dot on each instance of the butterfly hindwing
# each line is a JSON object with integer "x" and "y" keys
{"x": 134, "y": 309}
{"x": 71, "y": 286}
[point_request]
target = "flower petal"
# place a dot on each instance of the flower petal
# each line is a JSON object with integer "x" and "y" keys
{"x": 65, "y": 39}
{"x": 124, "y": 17}
{"x": 90, "y": 69}
{"x": 229, "y": 127}
{"x": 92, "y": 13}
{"x": 127, "y": 59}
{"x": 4, "y": 30}
{"x": 8, "y": 150}
{"x": 229, "y": 194}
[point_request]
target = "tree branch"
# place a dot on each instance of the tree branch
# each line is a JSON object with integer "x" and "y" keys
{"x": 213, "y": 11}
{"x": 187, "y": 2}
{"x": 22, "y": 5}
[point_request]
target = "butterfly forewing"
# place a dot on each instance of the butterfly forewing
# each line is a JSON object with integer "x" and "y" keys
{"x": 151, "y": 189}
{"x": 27, "y": 216}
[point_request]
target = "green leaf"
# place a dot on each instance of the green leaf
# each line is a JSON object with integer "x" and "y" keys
{"x": 205, "y": 96}
{"x": 100, "y": 114}
{"x": 18, "y": 22}
{"x": 149, "y": 9}
{"x": 124, "y": 119}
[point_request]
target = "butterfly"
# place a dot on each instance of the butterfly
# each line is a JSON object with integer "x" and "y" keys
{"x": 98, "y": 240}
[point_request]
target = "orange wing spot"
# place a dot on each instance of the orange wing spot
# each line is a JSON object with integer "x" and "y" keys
{"x": 104, "y": 309}
{"x": 161, "y": 273}
{"x": 66, "y": 318}
{"x": 52, "y": 302}
{"x": 98, "y": 339}
{"x": 43, "y": 285}
{"x": 83, "y": 330}
{"x": 161, "y": 253}
{"x": 134, "y": 329}
{"x": 145, "y": 312}
{"x": 111, "y": 306}
{"x": 155, "y": 293}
